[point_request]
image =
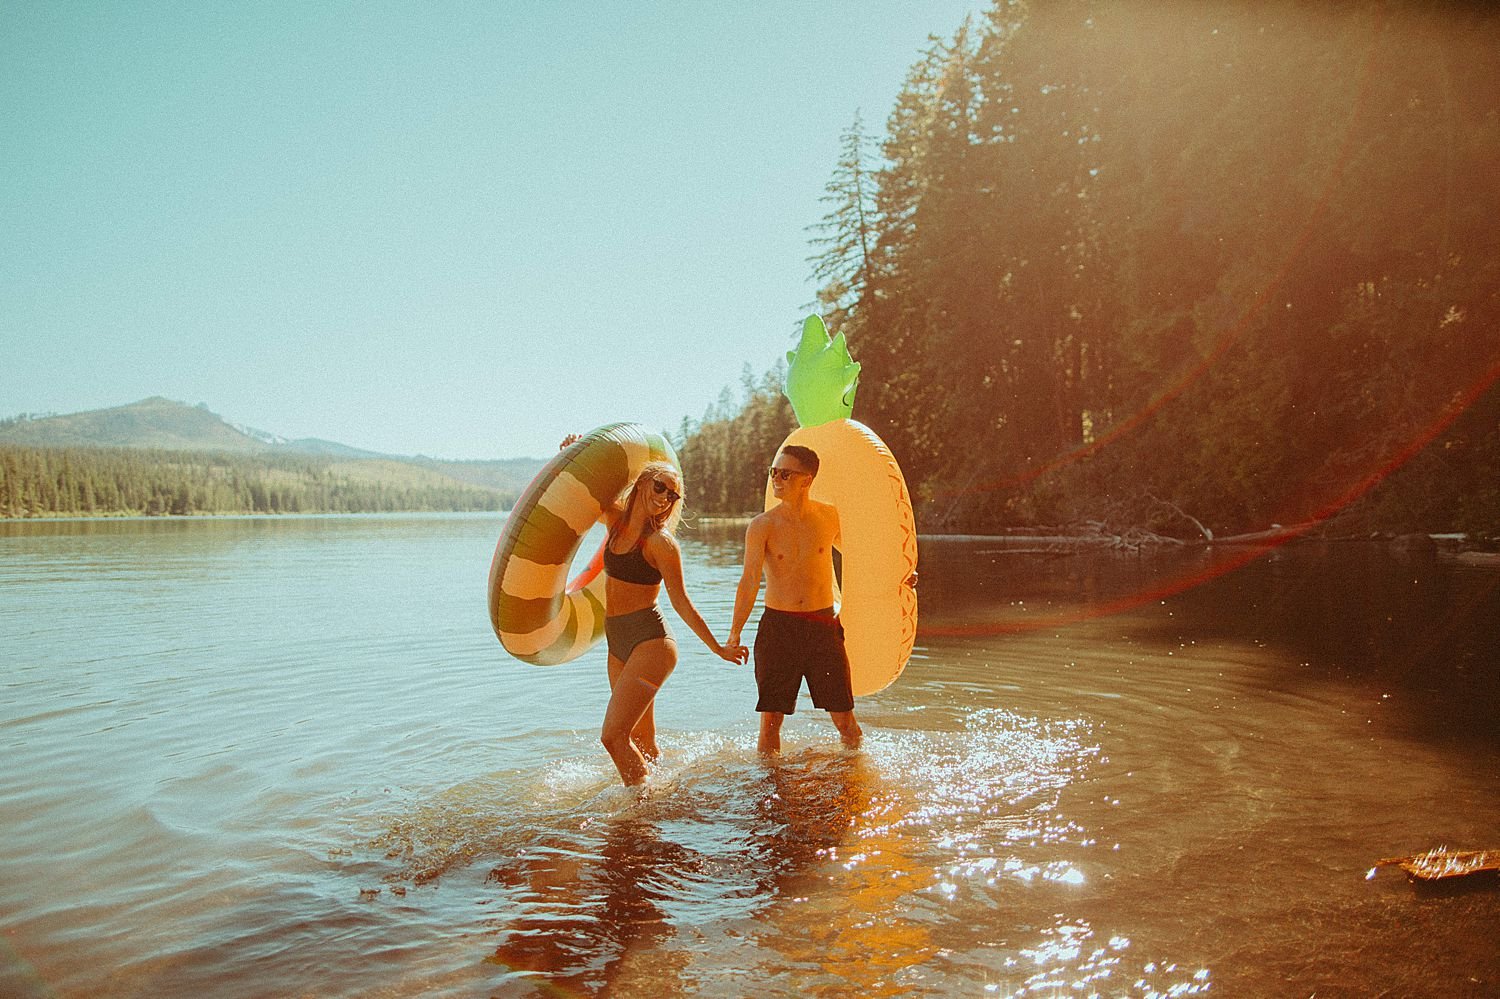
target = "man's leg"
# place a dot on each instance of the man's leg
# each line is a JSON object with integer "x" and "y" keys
{"x": 849, "y": 730}
{"x": 828, "y": 679}
{"x": 777, "y": 678}
{"x": 770, "y": 732}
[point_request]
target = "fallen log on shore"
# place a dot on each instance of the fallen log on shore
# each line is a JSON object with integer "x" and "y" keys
{"x": 1274, "y": 534}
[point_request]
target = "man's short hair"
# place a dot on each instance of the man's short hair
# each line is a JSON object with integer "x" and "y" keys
{"x": 804, "y": 455}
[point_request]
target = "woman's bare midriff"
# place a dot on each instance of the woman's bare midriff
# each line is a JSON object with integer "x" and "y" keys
{"x": 623, "y": 597}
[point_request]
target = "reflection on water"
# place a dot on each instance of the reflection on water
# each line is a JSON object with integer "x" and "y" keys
{"x": 1406, "y": 619}
{"x": 287, "y": 757}
{"x": 585, "y": 916}
{"x": 847, "y": 873}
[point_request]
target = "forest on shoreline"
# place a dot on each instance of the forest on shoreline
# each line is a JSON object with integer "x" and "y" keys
{"x": 1192, "y": 270}
{"x": 83, "y": 482}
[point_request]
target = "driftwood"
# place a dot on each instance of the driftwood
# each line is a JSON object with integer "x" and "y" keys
{"x": 1207, "y": 534}
{"x": 1091, "y": 537}
{"x": 1275, "y": 533}
{"x": 1442, "y": 864}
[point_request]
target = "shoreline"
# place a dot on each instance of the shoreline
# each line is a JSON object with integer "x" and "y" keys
{"x": 1469, "y": 550}
{"x": 62, "y": 518}
{"x": 1456, "y": 548}
{"x": 1459, "y": 547}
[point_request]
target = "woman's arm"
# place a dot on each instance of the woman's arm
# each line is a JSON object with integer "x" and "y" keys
{"x": 662, "y": 551}
{"x": 610, "y": 513}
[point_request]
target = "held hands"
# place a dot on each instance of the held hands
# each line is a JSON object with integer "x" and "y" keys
{"x": 734, "y": 652}
{"x": 571, "y": 438}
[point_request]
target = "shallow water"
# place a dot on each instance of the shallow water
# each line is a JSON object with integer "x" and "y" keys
{"x": 281, "y": 757}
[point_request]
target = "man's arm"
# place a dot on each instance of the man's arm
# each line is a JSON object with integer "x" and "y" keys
{"x": 837, "y": 551}
{"x": 749, "y": 588}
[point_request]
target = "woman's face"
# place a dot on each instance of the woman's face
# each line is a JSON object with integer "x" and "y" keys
{"x": 662, "y": 493}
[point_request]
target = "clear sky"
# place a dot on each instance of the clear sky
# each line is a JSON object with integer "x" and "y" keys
{"x": 454, "y": 229}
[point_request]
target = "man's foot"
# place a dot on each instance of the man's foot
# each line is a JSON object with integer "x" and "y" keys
{"x": 769, "y": 743}
{"x": 849, "y": 731}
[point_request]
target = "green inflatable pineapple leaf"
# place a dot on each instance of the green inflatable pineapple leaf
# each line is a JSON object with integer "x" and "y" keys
{"x": 821, "y": 377}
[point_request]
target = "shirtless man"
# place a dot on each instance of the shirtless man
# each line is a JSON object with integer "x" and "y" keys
{"x": 799, "y": 635}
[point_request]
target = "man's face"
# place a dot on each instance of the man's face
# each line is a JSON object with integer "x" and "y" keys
{"x": 788, "y": 476}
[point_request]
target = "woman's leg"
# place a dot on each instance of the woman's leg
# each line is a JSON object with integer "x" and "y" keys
{"x": 632, "y": 691}
{"x": 644, "y": 733}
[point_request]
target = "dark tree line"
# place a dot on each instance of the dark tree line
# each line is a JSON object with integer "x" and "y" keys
{"x": 725, "y": 455}
{"x": 38, "y": 482}
{"x": 1129, "y": 261}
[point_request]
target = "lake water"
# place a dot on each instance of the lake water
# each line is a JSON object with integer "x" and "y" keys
{"x": 287, "y": 757}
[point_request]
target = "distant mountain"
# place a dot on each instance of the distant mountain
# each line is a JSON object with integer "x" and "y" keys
{"x": 150, "y": 423}
{"x": 314, "y": 445}
{"x": 163, "y": 424}
{"x": 509, "y": 475}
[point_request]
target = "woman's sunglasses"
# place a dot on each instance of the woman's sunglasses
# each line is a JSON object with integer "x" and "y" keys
{"x": 782, "y": 474}
{"x": 660, "y": 487}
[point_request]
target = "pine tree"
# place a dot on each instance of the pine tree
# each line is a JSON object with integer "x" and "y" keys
{"x": 849, "y": 230}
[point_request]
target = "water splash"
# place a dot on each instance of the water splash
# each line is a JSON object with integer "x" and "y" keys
{"x": 847, "y": 868}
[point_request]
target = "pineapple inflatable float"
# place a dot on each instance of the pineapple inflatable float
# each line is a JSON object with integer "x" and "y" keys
{"x": 857, "y": 475}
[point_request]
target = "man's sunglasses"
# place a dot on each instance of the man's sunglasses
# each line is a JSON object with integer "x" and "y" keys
{"x": 660, "y": 487}
{"x": 782, "y": 474}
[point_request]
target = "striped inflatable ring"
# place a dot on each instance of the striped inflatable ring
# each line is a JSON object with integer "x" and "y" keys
{"x": 538, "y": 615}
{"x": 859, "y": 476}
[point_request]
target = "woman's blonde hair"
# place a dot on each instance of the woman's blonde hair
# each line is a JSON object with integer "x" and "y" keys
{"x": 667, "y": 522}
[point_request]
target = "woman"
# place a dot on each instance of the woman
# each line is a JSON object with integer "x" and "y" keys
{"x": 640, "y": 556}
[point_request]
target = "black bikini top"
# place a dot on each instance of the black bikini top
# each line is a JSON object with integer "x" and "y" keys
{"x": 630, "y": 566}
